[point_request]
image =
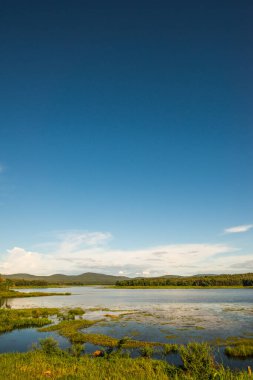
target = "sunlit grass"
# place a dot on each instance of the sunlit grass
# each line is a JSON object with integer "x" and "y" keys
{"x": 240, "y": 347}
{"x": 11, "y": 319}
{"x": 51, "y": 362}
{"x": 71, "y": 331}
{"x": 18, "y": 294}
{"x": 236, "y": 347}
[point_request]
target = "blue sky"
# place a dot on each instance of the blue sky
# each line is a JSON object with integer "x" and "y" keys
{"x": 130, "y": 123}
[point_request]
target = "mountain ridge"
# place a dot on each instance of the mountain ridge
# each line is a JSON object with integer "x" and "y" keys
{"x": 87, "y": 278}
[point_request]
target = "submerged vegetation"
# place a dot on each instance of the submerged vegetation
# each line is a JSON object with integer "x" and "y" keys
{"x": 112, "y": 361}
{"x": 72, "y": 331}
{"x": 71, "y": 325}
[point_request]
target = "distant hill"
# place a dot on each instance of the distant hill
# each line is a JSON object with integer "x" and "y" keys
{"x": 85, "y": 278}
{"x": 169, "y": 276}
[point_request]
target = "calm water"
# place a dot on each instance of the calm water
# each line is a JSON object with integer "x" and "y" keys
{"x": 164, "y": 315}
{"x": 88, "y": 296}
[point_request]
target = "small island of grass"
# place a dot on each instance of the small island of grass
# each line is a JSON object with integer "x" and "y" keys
{"x": 6, "y": 291}
{"x": 18, "y": 294}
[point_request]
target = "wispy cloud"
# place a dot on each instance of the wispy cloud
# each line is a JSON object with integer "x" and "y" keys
{"x": 238, "y": 229}
{"x": 77, "y": 240}
{"x": 77, "y": 252}
{"x": 1, "y": 168}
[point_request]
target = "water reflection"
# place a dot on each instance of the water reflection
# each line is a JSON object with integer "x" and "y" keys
{"x": 5, "y": 303}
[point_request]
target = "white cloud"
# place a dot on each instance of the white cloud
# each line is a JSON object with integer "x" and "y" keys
{"x": 78, "y": 252}
{"x": 1, "y": 168}
{"x": 238, "y": 229}
{"x": 18, "y": 260}
{"x": 76, "y": 240}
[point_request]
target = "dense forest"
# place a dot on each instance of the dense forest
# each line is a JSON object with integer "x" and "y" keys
{"x": 245, "y": 280}
{"x": 204, "y": 280}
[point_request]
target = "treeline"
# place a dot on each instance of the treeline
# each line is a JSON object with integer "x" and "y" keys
{"x": 33, "y": 283}
{"x": 5, "y": 284}
{"x": 205, "y": 281}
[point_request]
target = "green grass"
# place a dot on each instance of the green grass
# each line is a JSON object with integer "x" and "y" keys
{"x": 177, "y": 287}
{"x": 236, "y": 347}
{"x": 51, "y": 362}
{"x": 239, "y": 347}
{"x": 71, "y": 331}
{"x": 239, "y": 351}
{"x": 37, "y": 365}
{"x": 14, "y": 294}
{"x": 11, "y": 319}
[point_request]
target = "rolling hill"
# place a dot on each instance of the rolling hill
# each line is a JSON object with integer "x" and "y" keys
{"x": 84, "y": 278}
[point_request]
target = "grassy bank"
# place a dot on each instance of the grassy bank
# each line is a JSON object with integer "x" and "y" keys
{"x": 51, "y": 362}
{"x": 40, "y": 286}
{"x": 178, "y": 287}
{"x": 17, "y": 294}
{"x": 60, "y": 286}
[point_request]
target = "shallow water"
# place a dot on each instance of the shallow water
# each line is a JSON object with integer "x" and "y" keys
{"x": 24, "y": 340}
{"x": 163, "y": 315}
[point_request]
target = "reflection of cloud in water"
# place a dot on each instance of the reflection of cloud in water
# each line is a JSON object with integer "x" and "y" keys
{"x": 202, "y": 314}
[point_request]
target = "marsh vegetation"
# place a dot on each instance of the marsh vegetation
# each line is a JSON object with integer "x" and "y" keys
{"x": 48, "y": 360}
{"x": 160, "y": 342}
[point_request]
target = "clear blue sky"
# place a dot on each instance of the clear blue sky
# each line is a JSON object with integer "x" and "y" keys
{"x": 128, "y": 118}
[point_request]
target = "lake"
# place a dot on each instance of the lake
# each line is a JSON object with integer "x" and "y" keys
{"x": 163, "y": 315}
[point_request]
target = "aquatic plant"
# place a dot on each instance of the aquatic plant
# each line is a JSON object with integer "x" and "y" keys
{"x": 240, "y": 350}
{"x": 146, "y": 351}
{"x": 76, "y": 350}
{"x": 197, "y": 359}
{"x": 71, "y": 331}
{"x": 11, "y": 319}
{"x": 168, "y": 348}
{"x": 49, "y": 346}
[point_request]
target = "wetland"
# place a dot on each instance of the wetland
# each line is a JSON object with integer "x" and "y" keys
{"x": 157, "y": 324}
